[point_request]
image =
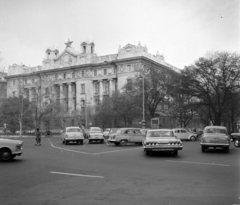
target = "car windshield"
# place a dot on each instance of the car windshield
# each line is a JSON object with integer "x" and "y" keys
{"x": 162, "y": 133}
{"x": 96, "y": 130}
{"x": 215, "y": 130}
{"x": 73, "y": 130}
{"x": 113, "y": 130}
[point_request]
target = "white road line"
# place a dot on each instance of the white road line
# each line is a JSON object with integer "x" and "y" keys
{"x": 224, "y": 165}
{"x": 68, "y": 149}
{"x": 79, "y": 175}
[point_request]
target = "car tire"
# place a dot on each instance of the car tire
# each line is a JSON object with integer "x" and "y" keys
{"x": 193, "y": 138}
{"x": 5, "y": 155}
{"x": 204, "y": 149}
{"x": 116, "y": 143}
{"x": 123, "y": 142}
{"x": 175, "y": 152}
{"x": 237, "y": 143}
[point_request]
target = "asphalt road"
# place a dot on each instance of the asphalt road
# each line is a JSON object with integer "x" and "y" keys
{"x": 107, "y": 175}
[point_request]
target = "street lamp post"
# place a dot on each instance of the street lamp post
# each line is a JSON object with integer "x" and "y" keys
{"x": 143, "y": 104}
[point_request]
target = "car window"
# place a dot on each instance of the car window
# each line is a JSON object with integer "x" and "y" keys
{"x": 137, "y": 132}
{"x": 215, "y": 130}
{"x": 176, "y": 131}
{"x": 129, "y": 132}
{"x": 96, "y": 130}
{"x": 183, "y": 131}
{"x": 73, "y": 130}
{"x": 118, "y": 131}
{"x": 162, "y": 133}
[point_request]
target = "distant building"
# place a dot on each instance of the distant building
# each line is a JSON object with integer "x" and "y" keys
{"x": 82, "y": 76}
{"x": 3, "y": 86}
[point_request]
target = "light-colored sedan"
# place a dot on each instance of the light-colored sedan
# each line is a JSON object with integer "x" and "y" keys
{"x": 72, "y": 134}
{"x": 161, "y": 140}
{"x": 215, "y": 136}
{"x": 123, "y": 136}
{"x": 96, "y": 134}
{"x": 184, "y": 134}
{"x": 9, "y": 149}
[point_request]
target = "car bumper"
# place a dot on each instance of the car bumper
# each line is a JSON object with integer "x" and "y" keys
{"x": 163, "y": 148}
{"x": 111, "y": 141}
{"x": 73, "y": 139}
{"x": 214, "y": 145}
{"x": 18, "y": 153}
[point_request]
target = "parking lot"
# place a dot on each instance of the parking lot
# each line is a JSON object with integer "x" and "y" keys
{"x": 95, "y": 173}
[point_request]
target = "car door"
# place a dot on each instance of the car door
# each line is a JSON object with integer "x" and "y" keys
{"x": 129, "y": 135}
{"x": 138, "y": 136}
{"x": 184, "y": 134}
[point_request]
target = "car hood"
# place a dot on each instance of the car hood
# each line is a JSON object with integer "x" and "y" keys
{"x": 10, "y": 141}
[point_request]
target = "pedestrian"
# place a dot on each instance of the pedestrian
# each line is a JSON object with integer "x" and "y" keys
{"x": 38, "y": 137}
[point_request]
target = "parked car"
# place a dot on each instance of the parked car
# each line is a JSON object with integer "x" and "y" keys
{"x": 123, "y": 136}
{"x": 184, "y": 134}
{"x": 215, "y": 136}
{"x": 96, "y": 134}
{"x": 161, "y": 140}
{"x": 9, "y": 149}
{"x": 72, "y": 134}
{"x": 235, "y": 137}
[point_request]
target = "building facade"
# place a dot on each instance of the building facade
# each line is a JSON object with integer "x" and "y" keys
{"x": 80, "y": 78}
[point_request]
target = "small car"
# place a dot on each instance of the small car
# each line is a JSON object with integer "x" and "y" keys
{"x": 95, "y": 134}
{"x": 161, "y": 140}
{"x": 9, "y": 149}
{"x": 72, "y": 134}
{"x": 215, "y": 136}
{"x": 236, "y": 139}
{"x": 184, "y": 134}
{"x": 123, "y": 136}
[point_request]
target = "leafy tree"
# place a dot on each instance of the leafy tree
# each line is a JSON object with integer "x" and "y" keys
{"x": 212, "y": 80}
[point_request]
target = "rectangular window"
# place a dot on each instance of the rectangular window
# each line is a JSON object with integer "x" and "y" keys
{"x": 105, "y": 71}
{"x": 64, "y": 76}
{"x": 56, "y": 77}
{"x": 82, "y": 73}
{"x": 114, "y": 70}
{"x": 13, "y": 82}
{"x": 25, "y": 81}
{"x": 95, "y": 72}
{"x": 128, "y": 68}
{"x": 73, "y": 75}
{"x": 82, "y": 88}
{"x": 96, "y": 88}
{"x": 106, "y": 87}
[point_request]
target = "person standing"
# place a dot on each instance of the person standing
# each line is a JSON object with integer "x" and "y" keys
{"x": 38, "y": 137}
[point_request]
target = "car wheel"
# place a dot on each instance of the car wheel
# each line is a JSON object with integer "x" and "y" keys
{"x": 116, "y": 143}
{"x": 5, "y": 155}
{"x": 236, "y": 143}
{"x": 123, "y": 142}
{"x": 204, "y": 149}
{"x": 192, "y": 138}
{"x": 175, "y": 152}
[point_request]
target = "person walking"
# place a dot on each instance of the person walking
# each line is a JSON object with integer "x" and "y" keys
{"x": 38, "y": 137}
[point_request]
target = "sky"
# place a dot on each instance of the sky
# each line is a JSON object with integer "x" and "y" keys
{"x": 181, "y": 30}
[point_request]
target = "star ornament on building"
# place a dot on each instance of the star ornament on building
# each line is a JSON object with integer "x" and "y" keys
{"x": 68, "y": 44}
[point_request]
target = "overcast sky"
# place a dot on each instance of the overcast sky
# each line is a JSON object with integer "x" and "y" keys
{"x": 182, "y": 30}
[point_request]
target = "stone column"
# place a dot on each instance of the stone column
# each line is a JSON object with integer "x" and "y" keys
{"x": 70, "y": 97}
{"x": 110, "y": 86}
{"x": 101, "y": 90}
{"x": 61, "y": 93}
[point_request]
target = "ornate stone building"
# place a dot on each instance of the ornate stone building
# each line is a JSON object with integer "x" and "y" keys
{"x": 79, "y": 77}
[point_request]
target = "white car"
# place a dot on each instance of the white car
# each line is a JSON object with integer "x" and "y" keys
{"x": 72, "y": 134}
{"x": 9, "y": 149}
{"x": 95, "y": 134}
{"x": 161, "y": 140}
{"x": 184, "y": 134}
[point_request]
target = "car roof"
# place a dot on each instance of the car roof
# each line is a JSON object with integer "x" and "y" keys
{"x": 215, "y": 126}
{"x": 72, "y": 127}
{"x": 127, "y": 128}
{"x": 159, "y": 130}
{"x": 95, "y": 128}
